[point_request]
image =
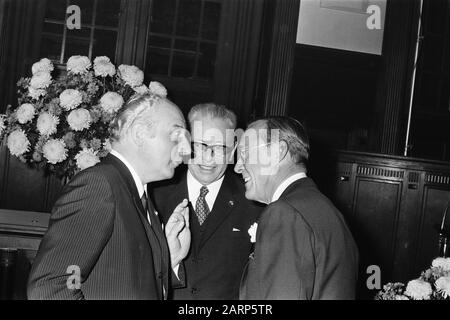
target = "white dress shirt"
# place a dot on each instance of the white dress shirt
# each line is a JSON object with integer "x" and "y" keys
{"x": 285, "y": 184}
{"x": 194, "y": 187}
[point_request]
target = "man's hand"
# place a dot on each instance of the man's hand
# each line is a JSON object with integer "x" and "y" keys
{"x": 178, "y": 233}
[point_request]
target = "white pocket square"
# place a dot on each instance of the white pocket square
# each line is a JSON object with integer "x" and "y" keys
{"x": 234, "y": 229}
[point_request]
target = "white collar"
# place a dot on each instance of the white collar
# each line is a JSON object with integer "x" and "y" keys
{"x": 285, "y": 184}
{"x": 137, "y": 180}
{"x": 194, "y": 189}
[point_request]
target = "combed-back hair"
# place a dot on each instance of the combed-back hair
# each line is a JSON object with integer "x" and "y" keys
{"x": 212, "y": 110}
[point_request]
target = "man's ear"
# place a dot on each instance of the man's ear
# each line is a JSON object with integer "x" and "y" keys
{"x": 283, "y": 149}
{"x": 137, "y": 134}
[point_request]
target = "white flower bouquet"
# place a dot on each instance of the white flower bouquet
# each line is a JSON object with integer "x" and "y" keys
{"x": 433, "y": 284}
{"x": 62, "y": 124}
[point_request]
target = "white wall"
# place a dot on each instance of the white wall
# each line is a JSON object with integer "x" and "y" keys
{"x": 340, "y": 24}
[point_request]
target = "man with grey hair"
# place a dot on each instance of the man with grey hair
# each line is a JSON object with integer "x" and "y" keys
{"x": 303, "y": 248}
{"x": 104, "y": 240}
{"x": 221, "y": 216}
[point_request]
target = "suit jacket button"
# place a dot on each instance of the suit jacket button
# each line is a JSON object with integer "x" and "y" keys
{"x": 194, "y": 290}
{"x": 160, "y": 275}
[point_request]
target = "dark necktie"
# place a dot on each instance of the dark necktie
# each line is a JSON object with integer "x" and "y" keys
{"x": 201, "y": 207}
{"x": 148, "y": 209}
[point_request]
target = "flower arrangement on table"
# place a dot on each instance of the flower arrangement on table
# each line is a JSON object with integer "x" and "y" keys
{"x": 433, "y": 284}
{"x": 63, "y": 124}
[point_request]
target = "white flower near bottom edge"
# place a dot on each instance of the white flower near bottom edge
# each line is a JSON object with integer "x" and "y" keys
{"x": 18, "y": 143}
{"x": 142, "y": 89}
{"x": 55, "y": 151}
{"x": 25, "y": 113}
{"x": 418, "y": 290}
{"x": 87, "y": 158}
{"x": 443, "y": 286}
{"x": 79, "y": 119}
{"x": 252, "y": 232}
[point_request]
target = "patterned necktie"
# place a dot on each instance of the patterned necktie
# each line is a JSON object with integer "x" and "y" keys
{"x": 201, "y": 207}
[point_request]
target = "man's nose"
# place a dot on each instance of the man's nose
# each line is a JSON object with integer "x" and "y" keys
{"x": 184, "y": 147}
{"x": 238, "y": 168}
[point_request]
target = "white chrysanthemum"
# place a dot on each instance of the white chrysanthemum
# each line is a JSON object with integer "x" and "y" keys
{"x": 36, "y": 93}
{"x": 55, "y": 151}
{"x": 157, "y": 88}
{"x": 43, "y": 65}
{"x": 401, "y": 297}
{"x": 103, "y": 67}
{"x": 443, "y": 263}
{"x": 25, "y": 113}
{"x": 111, "y": 102}
{"x": 86, "y": 158}
{"x": 70, "y": 99}
{"x": 142, "y": 89}
{"x": 41, "y": 80}
{"x": 18, "y": 143}
{"x": 79, "y": 119}
{"x": 78, "y": 64}
{"x": 46, "y": 123}
{"x": 132, "y": 75}
{"x": 418, "y": 290}
{"x": 443, "y": 286}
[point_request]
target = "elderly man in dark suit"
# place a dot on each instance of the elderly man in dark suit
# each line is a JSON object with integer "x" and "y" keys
{"x": 303, "y": 249}
{"x": 220, "y": 215}
{"x": 104, "y": 240}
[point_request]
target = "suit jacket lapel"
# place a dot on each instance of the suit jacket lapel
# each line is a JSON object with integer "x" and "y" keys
{"x": 157, "y": 251}
{"x": 223, "y": 206}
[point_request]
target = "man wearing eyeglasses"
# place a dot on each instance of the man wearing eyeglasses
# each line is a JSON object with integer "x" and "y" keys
{"x": 220, "y": 214}
{"x": 303, "y": 248}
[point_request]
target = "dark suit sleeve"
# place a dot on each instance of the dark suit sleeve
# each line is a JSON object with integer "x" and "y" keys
{"x": 284, "y": 255}
{"x": 82, "y": 222}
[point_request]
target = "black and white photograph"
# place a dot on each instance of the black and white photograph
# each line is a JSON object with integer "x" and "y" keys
{"x": 221, "y": 155}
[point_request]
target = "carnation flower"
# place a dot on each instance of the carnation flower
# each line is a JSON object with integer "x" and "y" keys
{"x": 55, "y": 151}
{"x": 41, "y": 80}
{"x": 418, "y": 290}
{"x": 70, "y": 99}
{"x": 141, "y": 89}
{"x": 25, "y": 113}
{"x": 443, "y": 263}
{"x": 132, "y": 75}
{"x": 84, "y": 144}
{"x": 78, "y": 64}
{"x": 47, "y": 123}
{"x": 79, "y": 119}
{"x": 96, "y": 143}
{"x": 157, "y": 88}
{"x": 103, "y": 67}
{"x": 18, "y": 143}
{"x": 86, "y": 158}
{"x": 36, "y": 93}
{"x": 252, "y": 232}
{"x": 111, "y": 102}
{"x": 43, "y": 65}
{"x": 443, "y": 286}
